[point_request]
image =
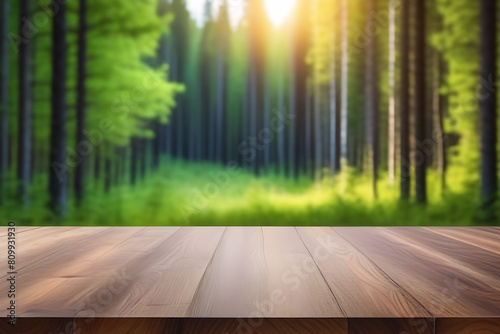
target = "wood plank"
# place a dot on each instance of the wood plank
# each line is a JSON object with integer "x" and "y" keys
{"x": 19, "y": 229}
{"x": 76, "y": 246}
{"x": 468, "y": 325}
{"x": 38, "y": 326}
{"x": 361, "y": 288}
{"x": 478, "y": 237}
{"x": 464, "y": 258}
{"x": 265, "y": 326}
{"x": 135, "y": 274}
{"x": 49, "y": 244}
{"x": 391, "y": 326}
{"x": 263, "y": 272}
{"x": 111, "y": 261}
{"x": 442, "y": 287}
{"x": 209, "y": 326}
{"x": 127, "y": 325}
{"x": 164, "y": 280}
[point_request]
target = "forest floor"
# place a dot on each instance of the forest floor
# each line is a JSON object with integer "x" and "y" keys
{"x": 200, "y": 194}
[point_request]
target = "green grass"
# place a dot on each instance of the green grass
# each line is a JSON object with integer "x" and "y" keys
{"x": 184, "y": 193}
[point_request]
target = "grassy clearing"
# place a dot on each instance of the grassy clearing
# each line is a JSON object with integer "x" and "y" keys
{"x": 207, "y": 194}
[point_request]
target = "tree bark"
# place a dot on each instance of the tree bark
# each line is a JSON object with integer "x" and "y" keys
{"x": 420, "y": 103}
{"x": 334, "y": 107}
{"x": 58, "y": 180}
{"x": 438, "y": 118}
{"x": 81, "y": 101}
{"x": 317, "y": 131}
{"x": 4, "y": 99}
{"x": 300, "y": 47}
{"x": 344, "y": 82}
{"x": 405, "y": 101}
{"x": 134, "y": 160}
{"x": 488, "y": 105}
{"x": 371, "y": 99}
{"x": 25, "y": 107}
{"x": 392, "y": 92}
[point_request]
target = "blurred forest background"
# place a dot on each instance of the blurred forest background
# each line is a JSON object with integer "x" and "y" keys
{"x": 249, "y": 112}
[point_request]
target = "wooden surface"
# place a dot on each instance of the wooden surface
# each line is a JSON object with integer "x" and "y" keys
{"x": 255, "y": 280}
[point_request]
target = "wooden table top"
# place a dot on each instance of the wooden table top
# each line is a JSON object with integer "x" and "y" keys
{"x": 256, "y": 279}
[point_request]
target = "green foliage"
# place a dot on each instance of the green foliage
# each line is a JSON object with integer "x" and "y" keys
{"x": 197, "y": 194}
{"x": 459, "y": 43}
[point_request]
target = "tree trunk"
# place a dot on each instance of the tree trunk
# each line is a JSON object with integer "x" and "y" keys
{"x": 405, "y": 101}
{"x": 156, "y": 145}
{"x": 266, "y": 126}
{"x": 134, "y": 160}
{"x": 80, "y": 103}
{"x": 308, "y": 148}
{"x": 97, "y": 163}
{"x": 438, "y": 134}
{"x": 58, "y": 180}
{"x": 334, "y": 110}
{"x": 221, "y": 102}
{"x": 344, "y": 82}
{"x": 281, "y": 129}
{"x": 371, "y": 100}
{"x": 420, "y": 103}
{"x": 4, "y": 98}
{"x": 488, "y": 105}
{"x": 317, "y": 131}
{"x": 392, "y": 92}
{"x": 143, "y": 157}
{"x": 290, "y": 165}
{"x": 107, "y": 172}
{"x": 25, "y": 107}
{"x": 300, "y": 47}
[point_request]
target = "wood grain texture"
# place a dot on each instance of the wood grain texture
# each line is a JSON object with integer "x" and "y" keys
{"x": 363, "y": 289}
{"x": 391, "y": 326}
{"x": 263, "y": 272}
{"x": 207, "y": 280}
{"x": 468, "y": 326}
{"x": 209, "y": 326}
{"x": 265, "y": 326}
{"x": 488, "y": 239}
{"x": 38, "y": 326}
{"x": 127, "y": 325}
{"x": 448, "y": 282}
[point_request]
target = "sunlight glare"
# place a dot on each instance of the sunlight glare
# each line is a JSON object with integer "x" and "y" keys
{"x": 278, "y": 10}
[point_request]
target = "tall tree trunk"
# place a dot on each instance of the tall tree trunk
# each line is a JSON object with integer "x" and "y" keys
{"x": 308, "y": 147}
{"x": 344, "y": 82}
{"x": 221, "y": 87}
{"x": 318, "y": 149}
{"x": 4, "y": 98}
{"x": 143, "y": 157}
{"x": 97, "y": 163}
{"x": 80, "y": 103}
{"x": 134, "y": 161}
{"x": 107, "y": 171}
{"x": 372, "y": 100}
{"x": 392, "y": 92}
{"x": 266, "y": 125}
{"x": 58, "y": 180}
{"x": 290, "y": 165}
{"x": 25, "y": 107}
{"x": 488, "y": 105}
{"x": 300, "y": 47}
{"x": 405, "y": 101}
{"x": 334, "y": 110}
{"x": 156, "y": 145}
{"x": 281, "y": 128}
{"x": 438, "y": 118}
{"x": 420, "y": 103}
